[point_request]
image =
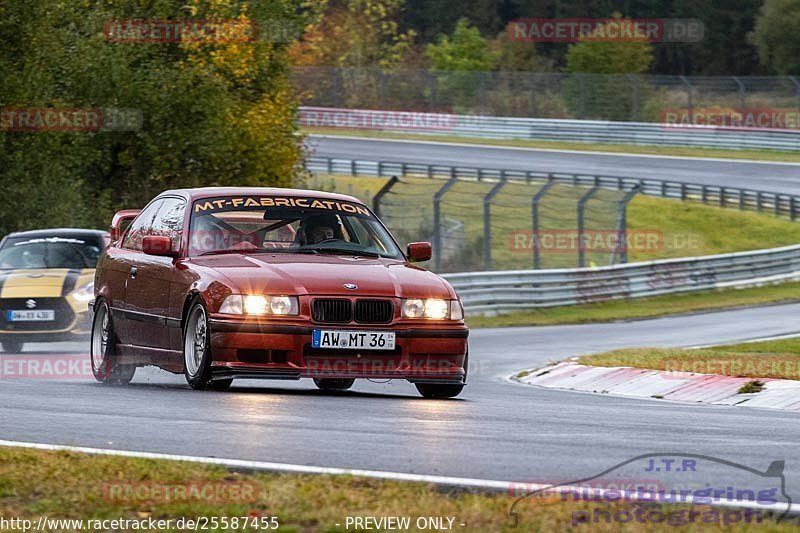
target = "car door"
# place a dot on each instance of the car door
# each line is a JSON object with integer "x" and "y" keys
{"x": 148, "y": 290}
{"x": 121, "y": 267}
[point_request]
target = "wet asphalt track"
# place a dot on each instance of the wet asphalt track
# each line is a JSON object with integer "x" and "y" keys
{"x": 748, "y": 175}
{"x": 495, "y": 430}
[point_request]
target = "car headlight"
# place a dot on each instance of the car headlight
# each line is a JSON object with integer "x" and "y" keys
{"x": 257, "y": 304}
{"x": 432, "y": 308}
{"x": 456, "y": 310}
{"x": 84, "y": 293}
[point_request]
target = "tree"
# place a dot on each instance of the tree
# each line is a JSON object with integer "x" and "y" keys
{"x": 605, "y": 95}
{"x": 465, "y": 50}
{"x": 514, "y": 56}
{"x": 591, "y": 55}
{"x": 355, "y": 33}
{"x": 460, "y": 63}
{"x": 212, "y": 112}
{"x": 777, "y": 35}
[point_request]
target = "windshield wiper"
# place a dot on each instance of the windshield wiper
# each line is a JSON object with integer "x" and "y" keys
{"x": 245, "y": 251}
{"x": 314, "y": 251}
{"x": 345, "y": 251}
{"x": 220, "y": 252}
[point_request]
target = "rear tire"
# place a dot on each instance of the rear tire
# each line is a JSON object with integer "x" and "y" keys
{"x": 12, "y": 346}
{"x": 197, "y": 355}
{"x": 333, "y": 384}
{"x": 103, "y": 350}
{"x": 437, "y": 391}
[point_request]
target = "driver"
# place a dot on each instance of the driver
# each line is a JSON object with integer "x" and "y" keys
{"x": 319, "y": 228}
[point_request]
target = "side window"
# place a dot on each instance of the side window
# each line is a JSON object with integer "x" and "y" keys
{"x": 141, "y": 226}
{"x": 169, "y": 220}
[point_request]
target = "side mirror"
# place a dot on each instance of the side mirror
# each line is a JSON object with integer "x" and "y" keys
{"x": 121, "y": 221}
{"x": 158, "y": 245}
{"x": 419, "y": 251}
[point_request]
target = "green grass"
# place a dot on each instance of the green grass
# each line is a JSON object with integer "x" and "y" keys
{"x": 644, "y": 307}
{"x": 778, "y": 359}
{"x": 751, "y": 387}
{"x": 763, "y": 155}
{"x": 70, "y": 485}
{"x": 686, "y": 229}
{"x": 681, "y": 229}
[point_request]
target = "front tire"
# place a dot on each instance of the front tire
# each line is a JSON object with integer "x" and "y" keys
{"x": 334, "y": 384}
{"x": 103, "y": 350}
{"x": 438, "y": 391}
{"x": 197, "y": 350}
{"x": 12, "y": 346}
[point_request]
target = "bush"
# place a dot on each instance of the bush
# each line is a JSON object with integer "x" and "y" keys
{"x": 212, "y": 113}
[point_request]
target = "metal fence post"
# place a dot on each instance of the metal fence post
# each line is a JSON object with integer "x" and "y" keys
{"x": 741, "y": 90}
{"x": 433, "y": 87}
{"x": 381, "y": 88}
{"x": 634, "y": 97}
{"x": 338, "y": 90}
{"x": 376, "y": 200}
{"x": 688, "y": 84}
{"x": 622, "y": 226}
{"x": 582, "y": 85}
{"x": 437, "y": 222}
{"x": 581, "y": 208}
{"x": 537, "y": 262}
{"x": 796, "y": 89}
{"x": 487, "y": 221}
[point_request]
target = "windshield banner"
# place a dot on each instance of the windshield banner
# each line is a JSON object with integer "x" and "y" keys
{"x": 232, "y": 203}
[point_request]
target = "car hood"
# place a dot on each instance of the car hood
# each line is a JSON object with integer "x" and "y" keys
{"x": 42, "y": 282}
{"x": 324, "y": 275}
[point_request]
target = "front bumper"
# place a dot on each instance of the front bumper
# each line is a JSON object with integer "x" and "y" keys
{"x": 423, "y": 354}
{"x": 72, "y": 323}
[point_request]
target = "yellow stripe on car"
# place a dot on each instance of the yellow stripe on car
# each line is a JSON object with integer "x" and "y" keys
{"x": 37, "y": 283}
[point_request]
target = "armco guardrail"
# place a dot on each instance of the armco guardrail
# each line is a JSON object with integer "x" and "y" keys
{"x": 492, "y": 292}
{"x": 762, "y": 201}
{"x": 488, "y": 127}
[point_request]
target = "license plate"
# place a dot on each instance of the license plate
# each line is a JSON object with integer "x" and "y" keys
{"x": 37, "y": 315}
{"x": 353, "y": 340}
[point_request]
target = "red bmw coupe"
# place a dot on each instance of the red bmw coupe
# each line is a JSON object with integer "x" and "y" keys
{"x": 224, "y": 283}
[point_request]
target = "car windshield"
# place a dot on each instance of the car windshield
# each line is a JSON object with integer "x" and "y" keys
{"x": 52, "y": 252}
{"x": 281, "y": 224}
